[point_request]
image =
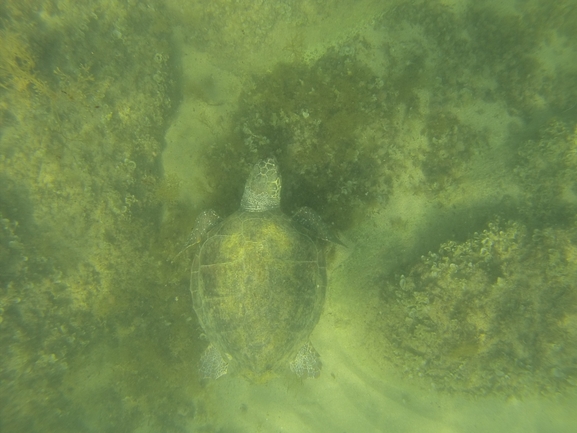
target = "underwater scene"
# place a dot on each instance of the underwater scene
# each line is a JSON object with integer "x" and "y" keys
{"x": 432, "y": 145}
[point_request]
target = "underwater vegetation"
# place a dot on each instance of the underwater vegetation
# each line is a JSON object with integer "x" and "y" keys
{"x": 95, "y": 319}
{"x": 377, "y": 112}
{"x": 545, "y": 171}
{"x": 82, "y": 283}
{"x": 308, "y": 116}
{"x": 495, "y": 311}
{"x": 427, "y": 99}
{"x": 494, "y": 314}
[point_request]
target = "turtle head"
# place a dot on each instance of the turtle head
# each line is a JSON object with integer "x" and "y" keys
{"x": 262, "y": 189}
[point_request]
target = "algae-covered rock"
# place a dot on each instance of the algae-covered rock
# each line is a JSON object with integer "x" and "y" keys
{"x": 495, "y": 313}
{"x": 85, "y": 91}
{"x": 545, "y": 169}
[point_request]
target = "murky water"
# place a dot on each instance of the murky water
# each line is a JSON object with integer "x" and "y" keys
{"x": 438, "y": 139}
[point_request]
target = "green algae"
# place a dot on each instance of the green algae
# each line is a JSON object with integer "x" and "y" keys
{"x": 82, "y": 261}
{"x": 307, "y": 116}
{"x": 494, "y": 314}
{"x": 96, "y": 319}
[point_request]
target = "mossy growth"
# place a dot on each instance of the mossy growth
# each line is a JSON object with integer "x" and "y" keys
{"x": 452, "y": 144}
{"x": 545, "y": 168}
{"x": 316, "y": 117}
{"x": 85, "y": 91}
{"x": 307, "y": 116}
{"x": 496, "y": 54}
{"x": 494, "y": 314}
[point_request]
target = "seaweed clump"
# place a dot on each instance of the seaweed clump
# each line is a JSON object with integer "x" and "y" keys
{"x": 494, "y": 314}
{"x": 545, "y": 170}
{"x": 309, "y": 117}
{"x": 85, "y": 91}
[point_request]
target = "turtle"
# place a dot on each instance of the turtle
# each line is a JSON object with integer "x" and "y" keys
{"x": 258, "y": 282}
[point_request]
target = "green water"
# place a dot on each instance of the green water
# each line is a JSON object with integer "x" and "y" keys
{"x": 438, "y": 139}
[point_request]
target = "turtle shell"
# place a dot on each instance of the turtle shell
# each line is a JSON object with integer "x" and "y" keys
{"x": 258, "y": 285}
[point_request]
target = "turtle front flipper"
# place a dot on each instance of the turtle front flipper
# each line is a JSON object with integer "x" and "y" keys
{"x": 204, "y": 222}
{"x": 307, "y": 362}
{"x": 312, "y": 222}
{"x": 212, "y": 364}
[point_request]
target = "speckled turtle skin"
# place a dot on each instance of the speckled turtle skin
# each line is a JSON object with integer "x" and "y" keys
{"x": 258, "y": 285}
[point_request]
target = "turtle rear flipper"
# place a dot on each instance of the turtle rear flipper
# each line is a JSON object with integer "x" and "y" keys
{"x": 212, "y": 364}
{"x": 307, "y": 362}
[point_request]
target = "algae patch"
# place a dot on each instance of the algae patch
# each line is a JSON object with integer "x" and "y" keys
{"x": 90, "y": 315}
{"x": 309, "y": 117}
{"x": 494, "y": 314}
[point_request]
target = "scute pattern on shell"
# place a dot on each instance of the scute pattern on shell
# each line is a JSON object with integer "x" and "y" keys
{"x": 258, "y": 286}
